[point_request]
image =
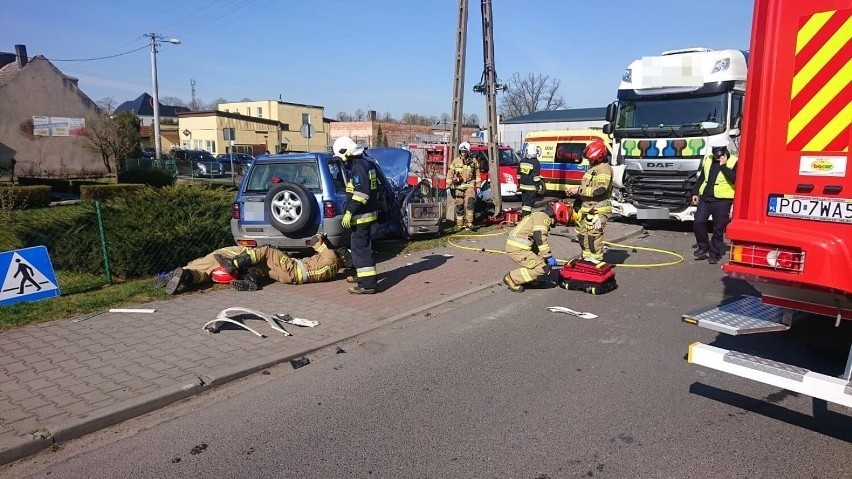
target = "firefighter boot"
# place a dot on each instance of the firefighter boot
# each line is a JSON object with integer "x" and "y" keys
{"x": 236, "y": 265}
{"x": 513, "y": 286}
{"x": 249, "y": 282}
{"x": 177, "y": 278}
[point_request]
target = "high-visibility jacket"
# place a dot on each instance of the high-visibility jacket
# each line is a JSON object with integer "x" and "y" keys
{"x": 362, "y": 191}
{"x": 466, "y": 170}
{"x": 723, "y": 188}
{"x": 596, "y": 189}
{"x": 529, "y": 174}
{"x": 531, "y": 235}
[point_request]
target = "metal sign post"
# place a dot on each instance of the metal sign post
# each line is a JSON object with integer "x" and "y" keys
{"x": 307, "y": 132}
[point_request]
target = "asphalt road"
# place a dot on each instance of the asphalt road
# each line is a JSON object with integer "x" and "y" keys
{"x": 496, "y": 386}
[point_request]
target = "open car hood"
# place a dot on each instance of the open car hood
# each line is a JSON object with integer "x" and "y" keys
{"x": 394, "y": 162}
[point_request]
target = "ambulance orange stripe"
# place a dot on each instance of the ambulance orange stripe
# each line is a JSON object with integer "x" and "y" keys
{"x": 828, "y": 72}
{"x": 821, "y": 119}
{"x": 818, "y": 41}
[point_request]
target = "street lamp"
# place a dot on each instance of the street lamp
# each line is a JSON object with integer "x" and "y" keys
{"x": 155, "y": 39}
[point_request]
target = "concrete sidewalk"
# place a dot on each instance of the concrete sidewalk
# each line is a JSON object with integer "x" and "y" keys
{"x": 64, "y": 379}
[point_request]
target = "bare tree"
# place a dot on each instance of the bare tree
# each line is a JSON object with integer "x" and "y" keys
{"x": 343, "y": 116}
{"x": 246, "y": 99}
{"x": 112, "y": 138}
{"x": 172, "y": 101}
{"x": 360, "y": 115}
{"x": 388, "y": 117}
{"x": 471, "y": 120}
{"x": 107, "y": 104}
{"x": 530, "y": 93}
{"x": 445, "y": 119}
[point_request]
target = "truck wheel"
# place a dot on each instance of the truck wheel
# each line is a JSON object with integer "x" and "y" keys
{"x": 291, "y": 207}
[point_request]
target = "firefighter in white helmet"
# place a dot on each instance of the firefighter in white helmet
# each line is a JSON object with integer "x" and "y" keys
{"x": 464, "y": 180}
{"x": 529, "y": 178}
{"x": 362, "y": 210}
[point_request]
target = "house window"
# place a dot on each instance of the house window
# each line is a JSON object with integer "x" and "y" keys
{"x": 248, "y": 111}
{"x": 185, "y": 144}
{"x": 259, "y": 112}
{"x": 197, "y": 144}
{"x": 211, "y": 146}
{"x": 285, "y": 126}
{"x": 227, "y": 110}
{"x": 305, "y": 118}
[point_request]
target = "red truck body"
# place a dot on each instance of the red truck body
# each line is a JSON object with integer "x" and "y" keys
{"x": 791, "y": 229}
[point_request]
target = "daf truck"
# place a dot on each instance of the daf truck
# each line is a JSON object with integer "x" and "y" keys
{"x": 791, "y": 229}
{"x": 669, "y": 107}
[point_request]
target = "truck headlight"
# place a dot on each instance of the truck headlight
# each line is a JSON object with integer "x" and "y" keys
{"x": 721, "y": 65}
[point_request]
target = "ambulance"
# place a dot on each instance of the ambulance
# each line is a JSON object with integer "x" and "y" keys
{"x": 561, "y": 157}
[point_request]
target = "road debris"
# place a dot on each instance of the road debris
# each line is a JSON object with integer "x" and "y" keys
{"x": 579, "y": 314}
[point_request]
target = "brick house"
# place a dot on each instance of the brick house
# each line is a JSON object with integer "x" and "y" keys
{"x": 398, "y": 134}
{"x": 42, "y": 114}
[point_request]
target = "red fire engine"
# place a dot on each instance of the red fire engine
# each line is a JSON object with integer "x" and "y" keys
{"x": 791, "y": 230}
{"x": 430, "y": 162}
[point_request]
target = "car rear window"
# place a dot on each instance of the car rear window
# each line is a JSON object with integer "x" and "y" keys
{"x": 304, "y": 173}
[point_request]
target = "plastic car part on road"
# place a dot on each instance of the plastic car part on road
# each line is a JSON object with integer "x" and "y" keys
{"x": 291, "y": 207}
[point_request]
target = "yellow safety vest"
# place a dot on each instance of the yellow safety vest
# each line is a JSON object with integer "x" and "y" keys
{"x": 722, "y": 189}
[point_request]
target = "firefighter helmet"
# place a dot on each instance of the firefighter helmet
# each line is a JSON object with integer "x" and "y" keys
{"x": 532, "y": 152}
{"x": 464, "y": 146}
{"x": 595, "y": 151}
{"x": 221, "y": 275}
{"x": 561, "y": 212}
{"x": 344, "y": 147}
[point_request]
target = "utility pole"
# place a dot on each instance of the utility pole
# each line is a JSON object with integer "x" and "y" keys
{"x": 490, "y": 89}
{"x": 155, "y": 39}
{"x": 192, "y": 101}
{"x": 458, "y": 80}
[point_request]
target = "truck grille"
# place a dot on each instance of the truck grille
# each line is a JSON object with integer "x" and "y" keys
{"x": 672, "y": 190}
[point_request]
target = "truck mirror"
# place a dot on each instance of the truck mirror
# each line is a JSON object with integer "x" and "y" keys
{"x": 611, "y": 111}
{"x": 607, "y": 128}
{"x": 734, "y": 132}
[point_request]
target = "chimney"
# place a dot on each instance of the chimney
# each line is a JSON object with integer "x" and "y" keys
{"x": 371, "y": 115}
{"x": 21, "y": 51}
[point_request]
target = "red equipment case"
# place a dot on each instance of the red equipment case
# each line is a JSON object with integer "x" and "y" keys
{"x": 586, "y": 276}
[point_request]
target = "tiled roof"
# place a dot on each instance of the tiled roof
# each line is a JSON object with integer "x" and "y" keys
{"x": 553, "y": 116}
{"x": 143, "y": 105}
{"x": 8, "y": 71}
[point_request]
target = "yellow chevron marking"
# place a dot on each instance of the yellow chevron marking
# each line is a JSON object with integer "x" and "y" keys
{"x": 811, "y": 27}
{"x": 831, "y": 130}
{"x": 819, "y": 101}
{"x": 822, "y": 57}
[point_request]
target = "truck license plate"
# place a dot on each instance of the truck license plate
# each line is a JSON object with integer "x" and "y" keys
{"x": 835, "y": 210}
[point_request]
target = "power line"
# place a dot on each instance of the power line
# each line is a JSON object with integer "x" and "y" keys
{"x": 96, "y": 58}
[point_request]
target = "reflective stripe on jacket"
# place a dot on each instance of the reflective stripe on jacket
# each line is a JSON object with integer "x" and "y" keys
{"x": 596, "y": 179}
{"x": 523, "y": 236}
{"x": 361, "y": 190}
{"x": 723, "y": 188}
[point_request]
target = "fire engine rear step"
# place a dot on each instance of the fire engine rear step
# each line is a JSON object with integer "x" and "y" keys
{"x": 774, "y": 373}
{"x": 744, "y": 315}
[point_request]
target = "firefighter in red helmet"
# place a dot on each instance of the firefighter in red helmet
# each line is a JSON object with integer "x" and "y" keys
{"x": 527, "y": 245}
{"x": 595, "y": 191}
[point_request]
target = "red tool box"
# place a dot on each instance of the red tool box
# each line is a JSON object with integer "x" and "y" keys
{"x": 586, "y": 276}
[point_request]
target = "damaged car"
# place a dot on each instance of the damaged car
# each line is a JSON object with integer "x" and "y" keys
{"x": 286, "y": 199}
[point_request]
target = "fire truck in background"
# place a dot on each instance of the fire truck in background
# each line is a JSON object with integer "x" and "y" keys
{"x": 431, "y": 161}
{"x": 791, "y": 229}
{"x": 669, "y": 109}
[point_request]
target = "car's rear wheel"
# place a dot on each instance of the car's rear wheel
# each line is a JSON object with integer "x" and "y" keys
{"x": 291, "y": 207}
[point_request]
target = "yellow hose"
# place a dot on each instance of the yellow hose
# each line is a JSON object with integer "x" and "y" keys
{"x": 613, "y": 245}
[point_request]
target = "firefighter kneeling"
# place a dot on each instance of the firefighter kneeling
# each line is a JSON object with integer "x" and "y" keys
{"x": 527, "y": 245}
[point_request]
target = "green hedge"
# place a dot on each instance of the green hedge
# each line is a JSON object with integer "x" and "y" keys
{"x": 154, "y": 177}
{"x": 24, "y": 197}
{"x": 58, "y": 185}
{"x": 108, "y": 192}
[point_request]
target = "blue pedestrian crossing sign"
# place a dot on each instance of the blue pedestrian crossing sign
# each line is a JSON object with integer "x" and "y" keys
{"x": 28, "y": 276}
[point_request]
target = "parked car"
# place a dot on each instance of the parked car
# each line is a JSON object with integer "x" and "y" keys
{"x": 285, "y": 199}
{"x": 240, "y": 162}
{"x": 197, "y": 163}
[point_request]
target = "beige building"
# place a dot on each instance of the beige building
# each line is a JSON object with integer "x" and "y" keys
{"x": 42, "y": 118}
{"x": 205, "y": 130}
{"x": 291, "y": 117}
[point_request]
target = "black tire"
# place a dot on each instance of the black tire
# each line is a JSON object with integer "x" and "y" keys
{"x": 539, "y": 189}
{"x": 291, "y": 207}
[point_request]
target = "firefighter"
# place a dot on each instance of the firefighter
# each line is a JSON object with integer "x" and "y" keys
{"x": 361, "y": 212}
{"x": 197, "y": 271}
{"x": 527, "y": 245}
{"x": 529, "y": 178}
{"x": 594, "y": 191}
{"x": 713, "y": 195}
{"x": 323, "y": 265}
{"x": 464, "y": 171}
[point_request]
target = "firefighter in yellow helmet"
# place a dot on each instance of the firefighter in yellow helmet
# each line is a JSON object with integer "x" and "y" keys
{"x": 464, "y": 180}
{"x": 595, "y": 191}
{"x": 527, "y": 245}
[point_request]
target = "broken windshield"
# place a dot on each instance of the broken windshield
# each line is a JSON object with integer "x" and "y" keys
{"x": 685, "y": 116}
